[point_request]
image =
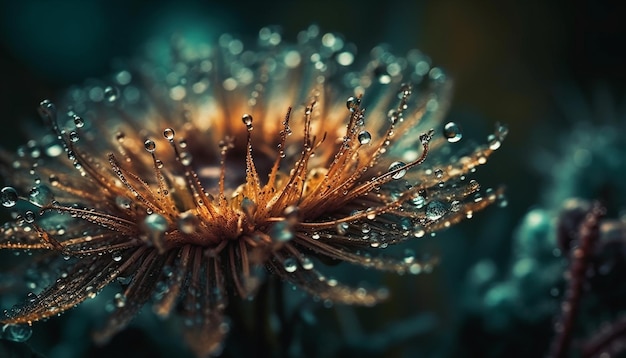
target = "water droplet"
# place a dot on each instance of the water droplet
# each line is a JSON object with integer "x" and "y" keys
{"x": 149, "y": 145}
{"x": 452, "y": 132}
{"x": 120, "y": 300}
{"x": 168, "y": 133}
{"x": 290, "y": 264}
{"x": 494, "y": 142}
{"x": 117, "y": 257}
{"x": 247, "y": 120}
{"x": 438, "y": 173}
{"x": 418, "y": 200}
{"x": 40, "y": 195}
{"x": 435, "y": 210}
{"x": 364, "y": 137}
{"x": 342, "y": 228}
{"x": 29, "y": 217}
{"x": 474, "y": 185}
{"x": 185, "y": 158}
{"x": 353, "y": 103}
{"x": 502, "y": 200}
{"x": 78, "y": 121}
{"x": 396, "y": 166}
{"x": 111, "y": 93}
{"x": 8, "y": 197}
{"x": 122, "y": 202}
{"x": 156, "y": 223}
{"x": 74, "y": 137}
{"x": 393, "y": 116}
{"x": 426, "y": 137}
{"x": 47, "y": 110}
{"x": 16, "y": 332}
{"x": 306, "y": 263}
{"x": 54, "y": 180}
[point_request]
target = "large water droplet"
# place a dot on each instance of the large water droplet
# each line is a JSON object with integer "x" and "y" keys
{"x": 168, "y": 133}
{"x": 364, "y": 137}
{"x": 247, "y": 120}
{"x": 353, "y": 103}
{"x": 8, "y": 197}
{"x": 40, "y": 195}
{"x": 396, "y": 166}
{"x": 16, "y": 332}
{"x": 452, "y": 132}
{"x": 435, "y": 210}
{"x": 149, "y": 145}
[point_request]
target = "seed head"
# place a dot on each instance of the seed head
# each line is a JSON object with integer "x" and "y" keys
{"x": 186, "y": 176}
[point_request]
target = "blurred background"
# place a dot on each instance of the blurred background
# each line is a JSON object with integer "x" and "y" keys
{"x": 553, "y": 71}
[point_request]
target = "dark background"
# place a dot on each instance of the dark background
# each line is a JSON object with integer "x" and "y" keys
{"x": 511, "y": 61}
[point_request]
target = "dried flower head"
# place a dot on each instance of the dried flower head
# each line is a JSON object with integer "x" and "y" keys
{"x": 188, "y": 176}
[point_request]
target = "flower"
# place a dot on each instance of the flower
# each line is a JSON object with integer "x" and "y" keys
{"x": 187, "y": 179}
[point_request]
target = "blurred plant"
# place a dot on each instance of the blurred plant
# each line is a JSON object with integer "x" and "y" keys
{"x": 567, "y": 254}
{"x": 194, "y": 173}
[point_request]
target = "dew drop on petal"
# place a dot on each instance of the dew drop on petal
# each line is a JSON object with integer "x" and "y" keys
{"x": 435, "y": 210}
{"x": 29, "y": 217}
{"x": 290, "y": 264}
{"x": 494, "y": 142}
{"x": 8, "y": 197}
{"x": 306, "y": 263}
{"x": 149, "y": 145}
{"x": 452, "y": 132}
{"x": 78, "y": 121}
{"x": 364, "y": 137}
{"x": 396, "y": 166}
{"x": 185, "y": 158}
{"x": 168, "y": 133}
{"x": 74, "y": 137}
{"x": 353, "y": 103}
{"x": 247, "y": 120}
{"x": 455, "y": 206}
{"x": 393, "y": 116}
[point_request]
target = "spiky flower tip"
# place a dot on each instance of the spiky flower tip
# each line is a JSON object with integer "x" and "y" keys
{"x": 184, "y": 177}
